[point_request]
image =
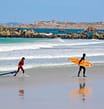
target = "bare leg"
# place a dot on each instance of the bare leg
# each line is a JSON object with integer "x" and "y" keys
{"x": 17, "y": 71}
{"x": 22, "y": 70}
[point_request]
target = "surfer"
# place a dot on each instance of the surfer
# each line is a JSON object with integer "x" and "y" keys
{"x": 20, "y": 66}
{"x": 82, "y": 67}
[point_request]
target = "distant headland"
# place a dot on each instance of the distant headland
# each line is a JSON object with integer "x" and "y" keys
{"x": 14, "y": 29}
{"x": 65, "y": 25}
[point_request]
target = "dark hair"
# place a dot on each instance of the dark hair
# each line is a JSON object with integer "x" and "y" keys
{"x": 23, "y": 57}
{"x": 84, "y": 54}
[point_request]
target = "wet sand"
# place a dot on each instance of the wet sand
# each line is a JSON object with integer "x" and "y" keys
{"x": 53, "y": 88}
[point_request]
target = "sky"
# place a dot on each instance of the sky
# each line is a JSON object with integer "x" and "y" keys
{"x": 29, "y": 11}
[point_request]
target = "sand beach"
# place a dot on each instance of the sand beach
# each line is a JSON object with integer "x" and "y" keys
{"x": 55, "y": 87}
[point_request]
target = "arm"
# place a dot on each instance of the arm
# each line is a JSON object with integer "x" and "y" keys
{"x": 80, "y": 60}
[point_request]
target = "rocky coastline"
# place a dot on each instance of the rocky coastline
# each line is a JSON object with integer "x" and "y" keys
{"x": 13, "y": 31}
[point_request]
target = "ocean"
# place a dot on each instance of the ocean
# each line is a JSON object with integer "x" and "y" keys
{"x": 59, "y": 31}
{"x": 44, "y": 52}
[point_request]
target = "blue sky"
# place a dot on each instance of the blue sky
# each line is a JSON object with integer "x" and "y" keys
{"x": 28, "y": 11}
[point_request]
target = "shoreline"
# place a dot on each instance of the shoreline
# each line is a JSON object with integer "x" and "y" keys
{"x": 69, "y": 70}
{"x": 63, "y": 65}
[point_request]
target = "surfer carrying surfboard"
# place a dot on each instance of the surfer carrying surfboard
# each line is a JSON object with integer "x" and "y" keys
{"x": 20, "y": 66}
{"x": 82, "y": 67}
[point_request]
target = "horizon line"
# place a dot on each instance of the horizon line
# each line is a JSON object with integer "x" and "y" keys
{"x": 51, "y": 21}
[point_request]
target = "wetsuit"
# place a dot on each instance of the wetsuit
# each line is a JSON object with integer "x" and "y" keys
{"x": 82, "y": 67}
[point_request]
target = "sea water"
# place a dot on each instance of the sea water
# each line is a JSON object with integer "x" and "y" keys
{"x": 41, "y": 52}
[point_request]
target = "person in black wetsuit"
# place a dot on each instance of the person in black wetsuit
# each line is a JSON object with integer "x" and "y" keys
{"x": 82, "y": 67}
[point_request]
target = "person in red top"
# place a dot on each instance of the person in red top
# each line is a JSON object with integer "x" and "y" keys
{"x": 20, "y": 66}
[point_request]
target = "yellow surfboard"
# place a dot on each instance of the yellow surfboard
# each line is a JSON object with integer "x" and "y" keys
{"x": 82, "y": 63}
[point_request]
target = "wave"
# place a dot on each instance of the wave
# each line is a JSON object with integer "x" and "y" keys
{"x": 12, "y": 68}
{"x": 50, "y": 56}
{"x": 83, "y": 43}
{"x": 26, "y": 46}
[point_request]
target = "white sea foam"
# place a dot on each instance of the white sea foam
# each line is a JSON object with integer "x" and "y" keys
{"x": 26, "y": 46}
{"x": 60, "y": 40}
{"x": 37, "y": 56}
{"x": 50, "y": 56}
{"x": 12, "y": 68}
{"x": 82, "y": 43}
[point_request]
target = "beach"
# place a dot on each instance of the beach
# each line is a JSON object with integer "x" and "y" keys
{"x": 50, "y": 80}
{"x": 53, "y": 88}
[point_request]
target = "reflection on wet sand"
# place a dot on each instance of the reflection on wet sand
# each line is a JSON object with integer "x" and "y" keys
{"x": 83, "y": 91}
{"x": 21, "y": 87}
{"x": 21, "y": 92}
